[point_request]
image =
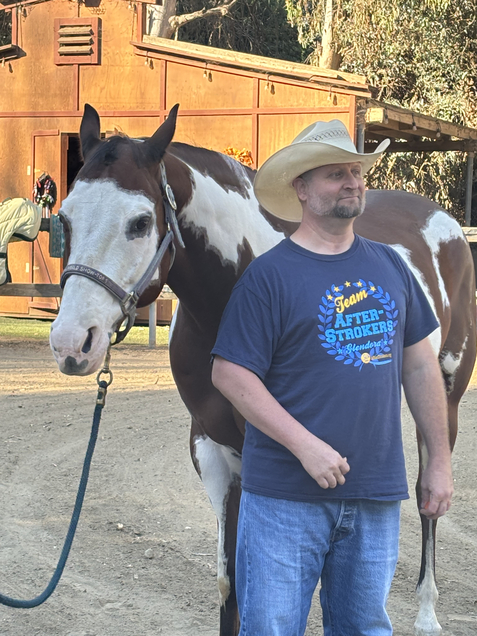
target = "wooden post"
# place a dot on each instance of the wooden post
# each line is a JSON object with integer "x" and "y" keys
{"x": 468, "y": 188}
{"x": 152, "y": 324}
{"x": 360, "y": 136}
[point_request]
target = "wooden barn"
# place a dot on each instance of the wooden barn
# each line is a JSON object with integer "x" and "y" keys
{"x": 60, "y": 54}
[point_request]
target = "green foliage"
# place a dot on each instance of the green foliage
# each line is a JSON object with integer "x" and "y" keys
{"x": 422, "y": 55}
{"x": 259, "y": 27}
{"x": 14, "y": 329}
{"x": 440, "y": 176}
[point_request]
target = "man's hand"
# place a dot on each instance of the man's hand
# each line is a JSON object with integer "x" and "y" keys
{"x": 253, "y": 400}
{"x": 436, "y": 490}
{"x": 323, "y": 463}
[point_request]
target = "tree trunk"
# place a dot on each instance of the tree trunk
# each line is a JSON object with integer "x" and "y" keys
{"x": 163, "y": 21}
{"x": 158, "y": 24}
{"x": 329, "y": 58}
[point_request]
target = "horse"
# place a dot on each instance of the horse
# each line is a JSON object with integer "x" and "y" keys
{"x": 146, "y": 212}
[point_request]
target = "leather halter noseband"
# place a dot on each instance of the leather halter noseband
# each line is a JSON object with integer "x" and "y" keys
{"x": 128, "y": 300}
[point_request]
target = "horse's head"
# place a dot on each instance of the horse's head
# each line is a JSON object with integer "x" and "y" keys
{"x": 118, "y": 219}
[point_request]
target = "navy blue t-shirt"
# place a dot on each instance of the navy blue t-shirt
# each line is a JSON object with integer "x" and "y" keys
{"x": 325, "y": 333}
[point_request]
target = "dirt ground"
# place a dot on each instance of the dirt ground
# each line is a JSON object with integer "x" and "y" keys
{"x": 143, "y": 560}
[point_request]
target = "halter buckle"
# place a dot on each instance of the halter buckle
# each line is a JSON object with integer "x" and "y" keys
{"x": 129, "y": 303}
{"x": 170, "y": 197}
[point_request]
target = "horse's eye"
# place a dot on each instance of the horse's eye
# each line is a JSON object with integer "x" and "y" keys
{"x": 140, "y": 224}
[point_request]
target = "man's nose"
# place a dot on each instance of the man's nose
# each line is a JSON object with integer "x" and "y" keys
{"x": 352, "y": 181}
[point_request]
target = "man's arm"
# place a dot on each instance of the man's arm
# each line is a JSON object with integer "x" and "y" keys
{"x": 253, "y": 400}
{"x": 425, "y": 395}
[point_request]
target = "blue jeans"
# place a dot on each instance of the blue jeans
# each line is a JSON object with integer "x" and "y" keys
{"x": 283, "y": 549}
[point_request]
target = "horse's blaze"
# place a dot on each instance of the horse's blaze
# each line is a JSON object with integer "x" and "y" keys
{"x": 100, "y": 237}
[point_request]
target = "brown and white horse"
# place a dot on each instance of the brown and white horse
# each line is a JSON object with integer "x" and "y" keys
{"x": 116, "y": 215}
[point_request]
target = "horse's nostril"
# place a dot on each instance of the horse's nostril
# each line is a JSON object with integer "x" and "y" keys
{"x": 87, "y": 343}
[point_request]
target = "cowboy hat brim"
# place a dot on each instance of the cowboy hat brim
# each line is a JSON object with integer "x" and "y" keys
{"x": 273, "y": 182}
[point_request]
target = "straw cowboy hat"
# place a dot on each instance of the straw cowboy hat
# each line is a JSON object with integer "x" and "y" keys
{"x": 320, "y": 144}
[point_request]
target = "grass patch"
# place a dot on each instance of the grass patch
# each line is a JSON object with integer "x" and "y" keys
{"x": 28, "y": 329}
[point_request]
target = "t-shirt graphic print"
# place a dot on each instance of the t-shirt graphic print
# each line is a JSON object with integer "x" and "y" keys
{"x": 357, "y": 322}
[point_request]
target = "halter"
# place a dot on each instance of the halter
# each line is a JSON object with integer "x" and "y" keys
{"x": 128, "y": 300}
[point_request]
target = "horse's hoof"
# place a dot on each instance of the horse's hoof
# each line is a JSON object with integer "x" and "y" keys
{"x": 431, "y": 628}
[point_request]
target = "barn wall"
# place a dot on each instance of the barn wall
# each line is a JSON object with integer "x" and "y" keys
{"x": 221, "y": 105}
{"x": 122, "y": 81}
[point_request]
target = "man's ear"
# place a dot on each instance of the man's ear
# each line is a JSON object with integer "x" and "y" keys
{"x": 301, "y": 188}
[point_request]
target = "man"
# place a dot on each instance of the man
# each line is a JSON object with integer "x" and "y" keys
{"x": 316, "y": 339}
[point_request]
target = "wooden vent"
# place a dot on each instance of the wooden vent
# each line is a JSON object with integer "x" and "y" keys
{"x": 77, "y": 40}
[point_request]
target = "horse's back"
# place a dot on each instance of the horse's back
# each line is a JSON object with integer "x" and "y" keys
{"x": 430, "y": 240}
{"x": 434, "y": 246}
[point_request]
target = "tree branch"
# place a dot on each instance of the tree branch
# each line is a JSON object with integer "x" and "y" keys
{"x": 176, "y": 21}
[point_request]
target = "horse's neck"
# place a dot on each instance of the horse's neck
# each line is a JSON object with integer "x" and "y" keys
{"x": 223, "y": 230}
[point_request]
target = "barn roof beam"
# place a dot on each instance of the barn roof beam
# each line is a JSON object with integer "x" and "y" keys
{"x": 394, "y": 121}
{"x": 424, "y": 145}
{"x": 264, "y": 65}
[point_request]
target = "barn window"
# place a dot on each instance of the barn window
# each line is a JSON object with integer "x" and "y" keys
{"x": 77, "y": 41}
{"x": 8, "y": 34}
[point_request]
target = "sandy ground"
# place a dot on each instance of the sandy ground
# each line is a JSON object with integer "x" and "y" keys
{"x": 143, "y": 560}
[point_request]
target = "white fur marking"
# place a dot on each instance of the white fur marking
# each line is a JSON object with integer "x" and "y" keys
{"x": 450, "y": 362}
{"x": 441, "y": 228}
{"x": 173, "y": 323}
{"x": 100, "y": 213}
{"x": 426, "y": 622}
{"x": 219, "y": 467}
{"x": 226, "y": 218}
{"x": 435, "y": 337}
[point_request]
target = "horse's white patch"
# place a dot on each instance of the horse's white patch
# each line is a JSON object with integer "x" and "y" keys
{"x": 440, "y": 228}
{"x": 451, "y": 362}
{"x": 426, "y": 622}
{"x": 227, "y": 218}
{"x": 435, "y": 337}
{"x": 173, "y": 323}
{"x": 100, "y": 214}
{"x": 424, "y": 454}
{"x": 219, "y": 468}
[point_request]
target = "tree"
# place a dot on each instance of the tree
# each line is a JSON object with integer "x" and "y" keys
{"x": 166, "y": 21}
{"x": 259, "y": 27}
{"x": 251, "y": 26}
{"x": 421, "y": 54}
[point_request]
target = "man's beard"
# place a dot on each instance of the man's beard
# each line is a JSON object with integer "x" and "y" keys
{"x": 340, "y": 211}
{"x": 344, "y": 212}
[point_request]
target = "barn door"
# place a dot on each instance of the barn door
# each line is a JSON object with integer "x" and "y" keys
{"x": 47, "y": 157}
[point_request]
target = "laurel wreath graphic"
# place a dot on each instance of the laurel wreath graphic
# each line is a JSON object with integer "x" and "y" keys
{"x": 327, "y": 314}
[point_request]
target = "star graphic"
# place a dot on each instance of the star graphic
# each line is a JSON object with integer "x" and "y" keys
{"x": 359, "y": 283}
{"x": 373, "y": 288}
{"x": 330, "y": 297}
{"x": 336, "y": 289}
{"x": 347, "y": 283}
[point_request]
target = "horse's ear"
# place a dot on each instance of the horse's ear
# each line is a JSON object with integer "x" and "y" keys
{"x": 89, "y": 131}
{"x": 159, "y": 141}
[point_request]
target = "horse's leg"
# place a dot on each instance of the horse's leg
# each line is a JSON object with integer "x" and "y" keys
{"x": 426, "y": 623}
{"x": 219, "y": 469}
